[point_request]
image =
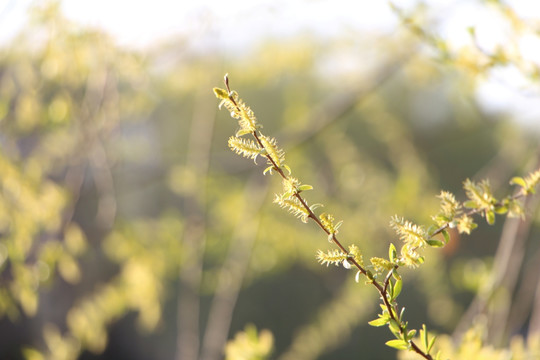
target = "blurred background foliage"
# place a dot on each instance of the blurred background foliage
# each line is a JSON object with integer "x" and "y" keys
{"x": 128, "y": 230}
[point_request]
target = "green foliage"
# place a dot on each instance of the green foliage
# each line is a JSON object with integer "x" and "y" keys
{"x": 527, "y": 184}
{"x": 61, "y": 103}
{"x": 474, "y": 346}
{"x": 250, "y": 345}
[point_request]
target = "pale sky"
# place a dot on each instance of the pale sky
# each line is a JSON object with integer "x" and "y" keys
{"x": 239, "y": 23}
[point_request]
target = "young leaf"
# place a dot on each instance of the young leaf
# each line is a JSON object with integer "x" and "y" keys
{"x": 431, "y": 343}
{"x": 401, "y": 313}
{"x": 397, "y": 289}
{"x": 411, "y": 334}
{"x": 398, "y": 344}
{"x": 394, "y": 326}
{"x": 518, "y": 181}
{"x": 383, "y": 320}
{"x": 435, "y": 243}
{"x": 490, "y": 217}
{"x": 221, "y": 93}
{"x": 446, "y": 236}
{"x": 503, "y": 209}
{"x": 392, "y": 253}
{"x": 424, "y": 336}
{"x": 305, "y": 187}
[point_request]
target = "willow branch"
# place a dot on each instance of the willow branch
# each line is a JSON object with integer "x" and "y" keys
{"x": 381, "y": 289}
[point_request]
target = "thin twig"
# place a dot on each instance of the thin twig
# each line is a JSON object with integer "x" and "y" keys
{"x": 232, "y": 273}
{"x": 188, "y": 303}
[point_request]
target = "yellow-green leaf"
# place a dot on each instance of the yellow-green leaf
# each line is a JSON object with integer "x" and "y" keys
{"x": 398, "y": 344}
{"x": 518, "y": 181}
{"x": 490, "y": 217}
{"x": 397, "y": 289}
{"x": 379, "y": 322}
{"x": 221, "y": 93}
{"x": 435, "y": 243}
{"x": 305, "y": 187}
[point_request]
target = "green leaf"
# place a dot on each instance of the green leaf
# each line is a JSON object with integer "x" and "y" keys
{"x": 490, "y": 217}
{"x": 470, "y": 204}
{"x": 397, "y": 289}
{"x": 398, "y": 344}
{"x": 221, "y": 94}
{"x": 401, "y": 313}
{"x": 435, "y": 243}
{"x": 380, "y": 321}
{"x": 446, "y": 236}
{"x": 392, "y": 253}
{"x": 501, "y": 209}
{"x": 411, "y": 334}
{"x": 424, "y": 336}
{"x": 518, "y": 181}
{"x": 305, "y": 187}
{"x": 286, "y": 167}
{"x": 431, "y": 343}
{"x": 394, "y": 326}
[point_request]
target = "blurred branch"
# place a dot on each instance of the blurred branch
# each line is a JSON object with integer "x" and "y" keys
{"x": 332, "y": 325}
{"x": 198, "y": 158}
{"x": 342, "y": 104}
{"x": 507, "y": 264}
{"x": 103, "y": 179}
{"x": 91, "y": 148}
{"x": 525, "y": 297}
{"x": 233, "y": 271}
{"x": 534, "y": 324}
